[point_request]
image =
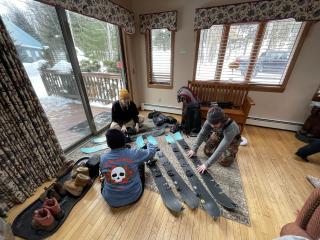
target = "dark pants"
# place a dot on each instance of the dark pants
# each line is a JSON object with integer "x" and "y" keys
{"x": 311, "y": 148}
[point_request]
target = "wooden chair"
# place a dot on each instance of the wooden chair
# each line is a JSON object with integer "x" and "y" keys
{"x": 208, "y": 92}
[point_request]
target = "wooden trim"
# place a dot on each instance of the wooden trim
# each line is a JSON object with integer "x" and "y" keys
{"x": 255, "y": 51}
{"x": 296, "y": 51}
{"x": 151, "y": 84}
{"x": 222, "y": 51}
{"x": 198, "y": 34}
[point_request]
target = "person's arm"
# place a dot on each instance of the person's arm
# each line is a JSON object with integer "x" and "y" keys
{"x": 134, "y": 112}
{"x": 115, "y": 115}
{"x": 203, "y": 134}
{"x": 223, "y": 145}
{"x": 143, "y": 155}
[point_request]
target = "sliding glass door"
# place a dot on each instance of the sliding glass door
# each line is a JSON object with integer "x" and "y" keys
{"x": 97, "y": 45}
{"x": 40, "y": 41}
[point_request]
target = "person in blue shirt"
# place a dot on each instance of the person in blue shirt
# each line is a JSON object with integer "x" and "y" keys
{"x": 123, "y": 169}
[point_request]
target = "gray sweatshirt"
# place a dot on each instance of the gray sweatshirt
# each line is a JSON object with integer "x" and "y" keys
{"x": 229, "y": 133}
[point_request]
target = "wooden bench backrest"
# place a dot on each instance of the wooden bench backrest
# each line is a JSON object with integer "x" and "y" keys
{"x": 219, "y": 92}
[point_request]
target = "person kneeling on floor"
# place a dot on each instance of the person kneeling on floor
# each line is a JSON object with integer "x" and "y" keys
{"x": 123, "y": 169}
{"x": 125, "y": 114}
{"x": 223, "y": 142}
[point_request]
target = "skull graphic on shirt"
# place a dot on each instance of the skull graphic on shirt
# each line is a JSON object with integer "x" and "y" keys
{"x": 118, "y": 174}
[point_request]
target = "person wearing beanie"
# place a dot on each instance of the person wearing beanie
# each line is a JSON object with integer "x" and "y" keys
{"x": 125, "y": 113}
{"x": 222, "y": 144}
{"x": 123, "y": 170}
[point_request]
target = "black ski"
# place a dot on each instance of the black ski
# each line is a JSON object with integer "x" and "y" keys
{"x": 206, "y": 200}
{"x": 186, "y": 193}
{"x": 212, "y": 185}
{"x": 166, "y": 193}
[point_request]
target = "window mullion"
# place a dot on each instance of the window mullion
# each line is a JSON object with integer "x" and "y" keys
{"x": 255, "y": 51}
{"x": 222, "y": 51}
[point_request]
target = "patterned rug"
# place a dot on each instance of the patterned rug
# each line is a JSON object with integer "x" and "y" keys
{"x": 228, "y": 178}
{"x": 314, "y": 181}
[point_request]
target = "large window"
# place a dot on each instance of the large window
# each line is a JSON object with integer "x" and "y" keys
{"x": 159, "y": 43}
{"x": 256, "y": 53}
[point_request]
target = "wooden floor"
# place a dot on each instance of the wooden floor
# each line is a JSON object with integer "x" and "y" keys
{"x": 274, "y": 184}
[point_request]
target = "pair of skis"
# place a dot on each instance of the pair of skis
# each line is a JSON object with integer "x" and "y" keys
{"x": 166, "y": 193}
{"x": 208, "y": 203}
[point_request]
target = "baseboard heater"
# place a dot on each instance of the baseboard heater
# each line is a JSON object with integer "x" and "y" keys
{"x": 255, "y": 121}
{"x": 161, "y": 108}
{"x": 272, "y": 123}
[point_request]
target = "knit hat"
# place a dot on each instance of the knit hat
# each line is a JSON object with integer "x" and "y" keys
{"x": 216, "y": 115}
{"x": 115, "y": 138}
{"x": 123, "y": 93}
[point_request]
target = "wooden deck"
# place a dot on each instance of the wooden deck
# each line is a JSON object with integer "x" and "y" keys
{"x": 274, "y": 184}
{"x": 63, "y": 120}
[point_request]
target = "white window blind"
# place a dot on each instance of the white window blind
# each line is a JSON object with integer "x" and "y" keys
{"x": 274, "y": 55}
{"x": 240, "y": 41}
{"x": 161, "y": 55}
{"x": 225, "y": 53}
{"x": 208, "y": 52}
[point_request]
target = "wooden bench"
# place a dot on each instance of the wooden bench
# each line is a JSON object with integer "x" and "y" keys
{"x": 208, "y": 92}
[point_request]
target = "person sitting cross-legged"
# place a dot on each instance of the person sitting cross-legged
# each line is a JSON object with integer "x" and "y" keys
{"x": 123, "y": 169}
{"x": 222, "y": 145}
{"x": 125, "y": 114}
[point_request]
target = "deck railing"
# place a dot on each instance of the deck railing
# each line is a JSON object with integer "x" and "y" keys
{"x": 100, "y": 87}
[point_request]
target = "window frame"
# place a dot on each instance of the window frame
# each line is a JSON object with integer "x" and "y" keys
{"x": 150, "y": 82}
{"x": 305, "y": 27}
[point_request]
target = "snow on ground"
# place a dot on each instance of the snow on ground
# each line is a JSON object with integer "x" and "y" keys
{"x": 32, "y": 70}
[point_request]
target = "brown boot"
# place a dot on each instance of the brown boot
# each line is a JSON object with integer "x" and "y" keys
{"x": 79, "y": 169}
{"x": 72, "y": 188}
{"x": 82, "y": 180}
{"x": 43, "y": 220}
{"x": 55, "y": 190}
{"x": 54, "y": 207}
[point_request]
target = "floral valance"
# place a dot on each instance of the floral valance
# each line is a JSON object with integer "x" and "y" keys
{"x": 100, "y": 9}
{"x": 158, "y": 20}
{"x": 300, "y": 10}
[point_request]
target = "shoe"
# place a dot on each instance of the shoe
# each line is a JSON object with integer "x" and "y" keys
{"x": 71, "y": 188}
{"x": 82, "y": 180}
{"x": 67, "y": 167}
{"x": 55, "y": 190}
{"x": 301, "y": 156}
{"x": 43, "y": 220}
{"x": 79, "y": 169}
{"x": 54, "y": 208}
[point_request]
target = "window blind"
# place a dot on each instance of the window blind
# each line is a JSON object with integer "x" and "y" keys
{"x": 161, "y": 55}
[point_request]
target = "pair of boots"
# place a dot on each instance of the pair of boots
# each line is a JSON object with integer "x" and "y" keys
{"x": 45, "y": 217}
{"x": 80, "y": 179}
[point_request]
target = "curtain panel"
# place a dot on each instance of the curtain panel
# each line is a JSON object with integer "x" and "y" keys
{"x": 158, "y": 20}
{"x": 100, "y": 9}
{"x": 29, "y": 150}
{"x": 300, "y": 10}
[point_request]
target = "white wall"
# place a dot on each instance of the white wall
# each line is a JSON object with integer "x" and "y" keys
{"x": 291, "y": 105}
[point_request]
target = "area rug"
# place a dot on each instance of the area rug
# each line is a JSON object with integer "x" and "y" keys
{"x": 101, "y": 120}
{"x": 228, "y": 178}
{"x": 314, "y": 181}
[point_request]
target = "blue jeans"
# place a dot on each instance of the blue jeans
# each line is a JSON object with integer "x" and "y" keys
{"x": 309, "y": 149}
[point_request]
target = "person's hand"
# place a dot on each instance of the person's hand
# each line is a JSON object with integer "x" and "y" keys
{"x": 190, "y": 153}
{"x": 201, "y": 168}
{"x": 124, "y": 129}
{"x": 137, "y": 127}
